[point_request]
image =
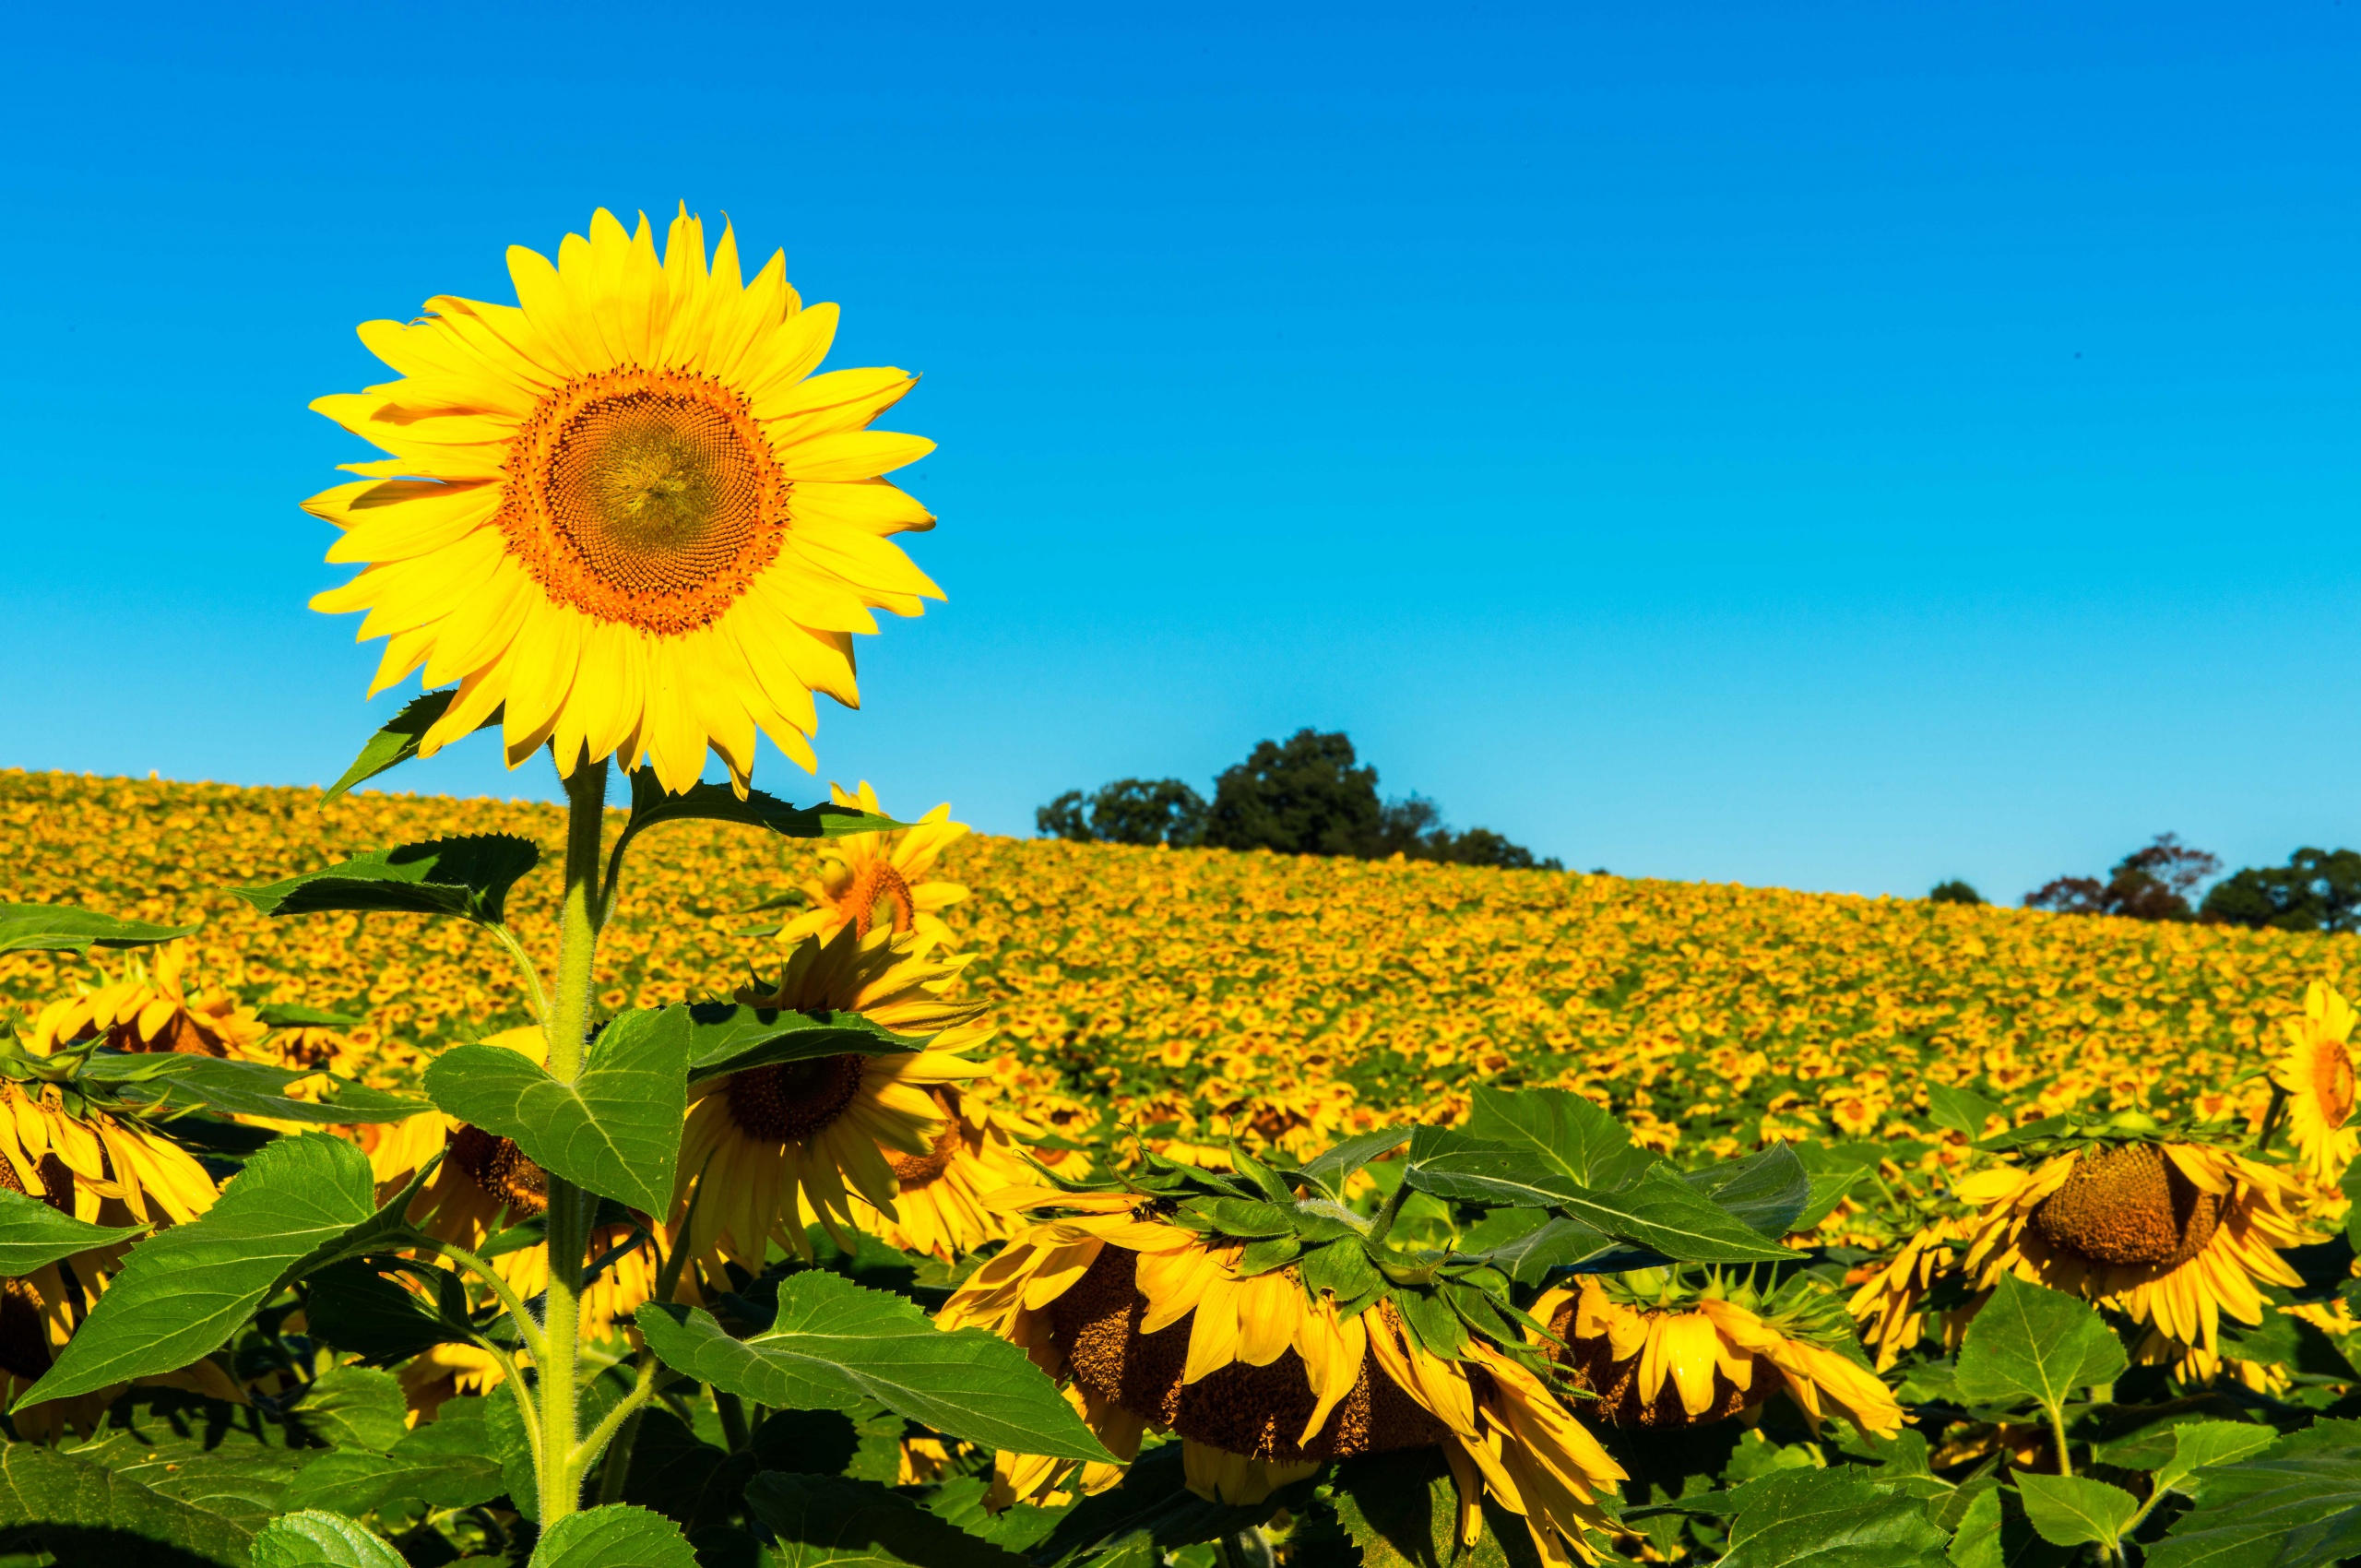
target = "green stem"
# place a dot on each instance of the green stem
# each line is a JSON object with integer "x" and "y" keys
{"x": 527, "y": 969}
{"x": 610, "y": 1482}
{"x": 2271, "y": 1118}
{"x": 733, "y": 1419}
{"x": 1385, "y": 1222}
{"x": 626, "y": 1411}
{"x": 527, "y": 1331}
{"x": 567, "y": 1027}
{"x": 2057, "y": 1430}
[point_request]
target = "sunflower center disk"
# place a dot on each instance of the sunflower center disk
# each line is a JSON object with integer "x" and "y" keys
{"x": 881, "y": 889}
{"x": 24, "y": 1343}
{"x": 502, "y": 1169}
{"x": 916, "y": 1169}
{"x": 1257, "y": 1411}
{"x": 648, "y": 497}
{"x": 795, "y": 1099}
{"x": 2130, "y": 1206}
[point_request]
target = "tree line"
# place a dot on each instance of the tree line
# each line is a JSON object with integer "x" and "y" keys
{"x": 1307, "y": 795}
{"x": 2316, "y": 890}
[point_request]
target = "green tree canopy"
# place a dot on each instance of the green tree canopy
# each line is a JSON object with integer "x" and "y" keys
{"x": 2316, "y": 890}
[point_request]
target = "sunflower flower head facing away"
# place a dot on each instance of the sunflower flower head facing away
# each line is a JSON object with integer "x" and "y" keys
{"x": 869, "y": 880}
{"x": 623, "y": 513}
{"x": 152, "y": 1009}
{"x": 768, "y": 1145}
{"x": 2316, "y": 1071}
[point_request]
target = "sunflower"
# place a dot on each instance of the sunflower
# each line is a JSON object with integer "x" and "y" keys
{"x": 486, "y": 1184}
{"x": 2171, "y": 1234}
{"x": 152, "y": 1011}
{"x": 1659, "y": 1350}
{"x": 1156, "y": 1326}
{"x": 939, "y": 1201}
{"x": 869, "y": 877}
{"x": 2315, "y": 1070}
{"x": 767, "y": 1145}
{"x": 1892, "y": 1301}
{"x": 625, "y": 508}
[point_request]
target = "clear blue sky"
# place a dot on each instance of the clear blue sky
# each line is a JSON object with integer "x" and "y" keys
{"x": 1838, "y": 446}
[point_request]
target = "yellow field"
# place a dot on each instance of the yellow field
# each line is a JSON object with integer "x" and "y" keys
{"x": 1207, "y": 994}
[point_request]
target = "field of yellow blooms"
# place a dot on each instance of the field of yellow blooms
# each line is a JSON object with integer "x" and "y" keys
{"x": 1203, "y": 996}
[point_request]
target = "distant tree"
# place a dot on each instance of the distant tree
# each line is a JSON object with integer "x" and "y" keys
{"x": 1482, "y": 847}
{"x": 1306, "y": 796}
{"x": 2152, "y": 883}
{"x": 1128, "y": 811}
{"x": 2316, "y": 890}
{"x": 1954, "y": 892}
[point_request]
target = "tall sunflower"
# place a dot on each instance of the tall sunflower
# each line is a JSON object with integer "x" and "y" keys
{"x": 1662, "y": 1347}
{"x": 623, "y": 512}
{"x": 869, "y": 878}
{"x": 2315, "y": 1070}
{"x": 2171, "y": 1234}
{"x": 765, "y": 1147}
{"x": 939, "y": 1196}
{"x": 1158, "y": 1326}
{"x": 158, "y": 1009}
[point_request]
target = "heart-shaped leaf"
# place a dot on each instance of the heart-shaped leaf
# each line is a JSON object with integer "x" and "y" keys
{"x": 2030, "y": 1342}
{"x": 468, "y": 877}
{"x": 2076, "y": 1510}
{"x": 615, "y": 1130}
{"x": 60, "y": 928}
{"x": 837, "y": 1345}
{"x": 618, "y": 1536}
{"x": 32, "y": 1233}
{"x": 399, "y": 740}
{"x": 312, "y": 1539}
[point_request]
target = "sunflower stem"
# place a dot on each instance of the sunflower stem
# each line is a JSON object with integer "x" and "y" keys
{"x": 733, "y": 1419}
{"x": 566, "y": 1027}
{"x": 2270, "y": 1118}
{"x": 2057, "y": 1431}
{"x": 1384, "y": 1224}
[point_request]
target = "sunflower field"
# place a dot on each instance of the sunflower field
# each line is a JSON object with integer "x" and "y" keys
{"x": 684, "y": 1177}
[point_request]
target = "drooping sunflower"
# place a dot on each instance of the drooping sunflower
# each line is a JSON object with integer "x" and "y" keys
{"x": 1662, "y": 1349}
{"x": 765, "y": 1147}
{"x": 152, "y": 1010}
{"x": 2171, "y": 1234}
{"x": 1892, "y": 1301}
{"x": 868, "y": 878}
{"x": 2315, "y": 1070}
{"x": 1155, "y": 1326}
{"x": 625, "y": 512}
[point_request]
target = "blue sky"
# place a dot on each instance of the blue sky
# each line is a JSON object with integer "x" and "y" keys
{"x": 1838, "y": 446}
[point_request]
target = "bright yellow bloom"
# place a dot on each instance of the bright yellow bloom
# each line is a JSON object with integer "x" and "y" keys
{"x": 2172, "y": 1235}
{"x": 1264, "y": 1381}
{"x": 101, "y": 1168}
{"x": 152, "y": 1011}
{"x": 625, "y": 508}
{"x": 765, "y": 1146}
{"x": 1890, "y": 1302}
{"x": 1701, "y": 1361}
{"x": 866, "y": 878}
{"x": 940, "y": 1208}
{"x": 2316, "y": 1072}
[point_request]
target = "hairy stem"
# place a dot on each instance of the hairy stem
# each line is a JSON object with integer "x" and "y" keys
{"x": 567, "y": 1027}
{"x": 527, "y": 1330}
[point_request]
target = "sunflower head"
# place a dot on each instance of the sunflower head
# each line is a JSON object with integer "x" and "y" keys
{"x": 2129, "y": 1205}
{"x": 879, "y": 881}
{"x": 623, "y": 513}
{"x": 2315, "y": 1072}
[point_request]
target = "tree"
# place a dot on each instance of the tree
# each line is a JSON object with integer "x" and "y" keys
{"x": 1128, "y": 811}
{"x": 2151, "y": 883}
{"x": 1306, "y": 796}
{"x": 1954, "y": 892}
{"x": 2316, "y": 890}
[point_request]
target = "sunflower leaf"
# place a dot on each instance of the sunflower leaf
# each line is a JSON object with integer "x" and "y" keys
{"x": 399, "y": 740}
{"x": 61, "y": 928}
{"x": 1333, "y": 1168}
{"x": 32, "y": 1233}
{"x": 300, "y": 1204}
{"x": 838, "y": 1345}
{"x": 81, "y": 1512}
{"x": 295, "y": 1015}
{"x": 1656, "y": 1210}
{"x": 617, "y": 1535}
{"x": 718, "y": 802}
{"x": 175, "y": 1083}
{"x": 2076, "y": 1510}
{"x": 1341, "y": 1269}
{"x": 2030, "y": 1342}
{"x": 313, "y": 1539}
{"x": 728, "y": 1037}
{"x": 1767, "y": 1190}
{"x": 1558, "y": 1130}
{"x": 1246, "y": 1217}
{"x": 468, "y": 877}
{"x": 615, "y": 1130}
{"x": 1962, "y": 1110}
{"x": 2297, "y": 1503}
{"x": 862, "y": 1525}
{"x": 1835, "y": 1518}
{"x": 1402, "y": 1510}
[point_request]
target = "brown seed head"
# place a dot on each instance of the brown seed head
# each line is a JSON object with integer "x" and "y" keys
{"x": 2130, "y": 1206}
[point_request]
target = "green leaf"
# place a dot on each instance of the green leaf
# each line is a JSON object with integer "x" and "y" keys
{"x": 353, "y": 1408}
{"x": 690, "y": 1481}
{"x": 2199, "y": 1443}
{"x": 1962, "y": 1110}
{"x": 183, "y": 1291}
{"x": 1402, "y": 1510}
{"x": 443, "y": 1463}
{"x": 719, "y": 802}
{"x": 860, "y": 1525}
{"x": 1767, "y": 1190}
{"x": 468, "y": 876}
{"x": 1529, "y": 1258}
{"x": 731, "y": 1038}
{"x": 295, "y": 1015}
{"x": 175, "y": 1083}
{"x": 83, "y": 1513}
{"x": 615, "y": 1130}
{"x": 315, "y": 1540}
{"x": 2293, "y": 1506}
{"x": 837, "y": 1345}
{"x": 1150, "y": 1511}
{"x": 1333, "y": 1168}
{"x": 61, "y": 928}
{"x": 1831, "y": 1519}
{"x": 1249, "y": 1216}
{"x": 2076, "y": 1510}
{"x": 354, "y": 1307}
{"x": 618, "y": 1536}
{"x": 399, "y": 740}
{"x": 1976, "y": 1542}
{"x": 32, "y": 1233}
{"x": 1560, "y": 1130}
{"x": 244, "y": 1486}
{"x": 2030, "y": 1342}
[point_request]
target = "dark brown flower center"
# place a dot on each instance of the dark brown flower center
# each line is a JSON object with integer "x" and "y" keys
{"x": 502, "y": 1169}
{"x": 2130, "y": 1206}
{"x": 24, "y": 1342}
{"x": 795, "y": 1099}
